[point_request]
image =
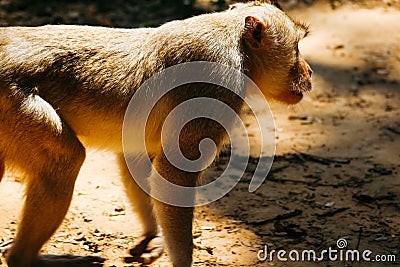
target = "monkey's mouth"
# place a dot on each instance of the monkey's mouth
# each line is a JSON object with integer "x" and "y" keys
{"x": 296, "y": 96}
{"x": 299, "y": 94}
{"x": 289, "y": 97}
{"x": 297, "y": 91}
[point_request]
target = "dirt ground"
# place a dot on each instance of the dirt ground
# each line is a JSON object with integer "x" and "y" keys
{"x": 335, "y": 174}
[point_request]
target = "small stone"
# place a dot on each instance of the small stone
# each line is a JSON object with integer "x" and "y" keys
{"x": 330, "y": 204}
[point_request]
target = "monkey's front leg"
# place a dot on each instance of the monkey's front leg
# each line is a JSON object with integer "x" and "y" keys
{"x": 176, "y": 222}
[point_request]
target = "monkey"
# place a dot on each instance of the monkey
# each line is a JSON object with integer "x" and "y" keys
{"x": 64, "y": 88}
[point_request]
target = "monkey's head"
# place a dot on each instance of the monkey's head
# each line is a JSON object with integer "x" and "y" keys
{"x": 273, "y": 60}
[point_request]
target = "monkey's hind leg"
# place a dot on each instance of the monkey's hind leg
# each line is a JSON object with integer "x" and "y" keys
{"x": 151, "y": 246}
{"x": 51, "y": 155}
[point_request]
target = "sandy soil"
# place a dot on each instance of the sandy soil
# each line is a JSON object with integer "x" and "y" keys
{"x": 335, "y": 175}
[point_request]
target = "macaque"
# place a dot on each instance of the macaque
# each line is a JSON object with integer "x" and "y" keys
{"x": 63, "y": 88}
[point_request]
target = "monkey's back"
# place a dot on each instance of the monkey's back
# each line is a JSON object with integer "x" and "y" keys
{"x": 77, "y": 69}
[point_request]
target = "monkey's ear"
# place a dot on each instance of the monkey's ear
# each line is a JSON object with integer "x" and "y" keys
{"x": 255, "y": 34}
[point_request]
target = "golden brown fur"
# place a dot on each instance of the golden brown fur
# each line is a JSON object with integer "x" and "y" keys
{"x": 65, "y": 86}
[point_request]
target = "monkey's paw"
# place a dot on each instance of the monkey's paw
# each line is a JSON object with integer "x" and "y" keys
{"x": 147, "y": 250}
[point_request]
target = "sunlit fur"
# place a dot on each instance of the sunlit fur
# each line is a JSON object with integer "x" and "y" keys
{"x": 63, "y": 88}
